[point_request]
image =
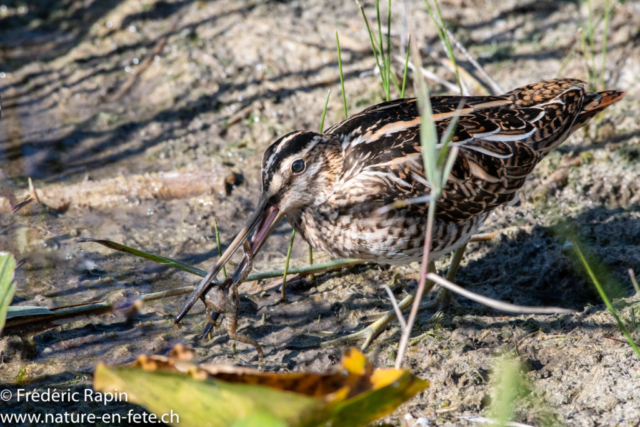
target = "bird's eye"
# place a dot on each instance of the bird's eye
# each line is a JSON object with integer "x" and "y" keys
{"x": 297, "y": 166}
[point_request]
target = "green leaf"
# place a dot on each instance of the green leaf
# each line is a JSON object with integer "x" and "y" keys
{"x": 352, "y": 395}
{"x": 206, "y": 402}
{"x": 261, "y": 420}
{"x": 369, "y": 406}
{"x": 7, "y": 288}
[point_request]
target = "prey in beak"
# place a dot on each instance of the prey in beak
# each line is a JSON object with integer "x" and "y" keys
{"x": 264, "y": 220}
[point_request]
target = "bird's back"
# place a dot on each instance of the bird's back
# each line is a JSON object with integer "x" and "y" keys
{"x": 500, "y": 140}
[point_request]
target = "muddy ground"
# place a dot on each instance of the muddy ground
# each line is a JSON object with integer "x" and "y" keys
{"x": 232, "y": 77}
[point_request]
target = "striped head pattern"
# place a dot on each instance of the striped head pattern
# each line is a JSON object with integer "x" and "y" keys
{"x": 297, "y": 169}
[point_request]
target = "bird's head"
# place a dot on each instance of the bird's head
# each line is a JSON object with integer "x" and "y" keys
{"x": 296, "y": 170}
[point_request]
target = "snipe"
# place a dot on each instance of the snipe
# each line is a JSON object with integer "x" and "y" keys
{"x": 329, "y": 186}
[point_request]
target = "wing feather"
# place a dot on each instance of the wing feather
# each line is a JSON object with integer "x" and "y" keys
{"x": 501, "y": 139}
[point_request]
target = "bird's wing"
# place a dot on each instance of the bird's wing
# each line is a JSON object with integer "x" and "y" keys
{"x": 500, "y": 140}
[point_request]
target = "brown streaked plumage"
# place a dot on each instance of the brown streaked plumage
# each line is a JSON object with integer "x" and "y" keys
{"x": 329, "y": 186}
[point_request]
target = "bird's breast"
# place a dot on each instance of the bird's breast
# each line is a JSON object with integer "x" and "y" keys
{"x": 393, "y": 238}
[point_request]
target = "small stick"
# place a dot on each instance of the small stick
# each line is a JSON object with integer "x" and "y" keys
{"x": 484, "y": 237}
{"x": 490, "y": 421}
{"x": 495, "y": 304}
{"x": 497, "y": 90}
{"x": 429, "y": 75}
{"x": 32, "y": 191}
{"x": 396, "y": 308}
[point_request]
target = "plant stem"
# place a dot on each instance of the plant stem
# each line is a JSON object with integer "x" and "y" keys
{"x": 286, "y": 266}
{"x": 215, "y": 225}
{"x": 605, "y": 298}
{"x": 344, "y": 95}
{"x": 421, "y": 285}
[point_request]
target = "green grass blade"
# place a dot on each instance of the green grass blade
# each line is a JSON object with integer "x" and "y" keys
{"x": 324, "y": 110}
{"x": 344, "y": 95}
{"x": 591, "y": 29}
{"x": 634, "y": 282}
{"x": 406, "y": 67}
{"x": 383, "y": 70}
{"x": 444, "y": 38}
{"x": 448, "y": 166}
{"x": 371, "y": 38}
{"x": 286, "y": 264}
{"x": 388, "y": 64}
{"x": 585, "y": 55}
{"x": 395, "y": 82}
{"x": 607, "y": 11}
{"x": 215, "y": 225}
{"x": 445, "y": 141}
{"x": 605, "y": 298}
{"x": 428, "y": 134}
{"x": 151, "y": 257}
{"x": 324, "y": 114}
{"x": 7, "y": 287}
{"x": 309, "y": 269}
{"x": 447, "y": 43}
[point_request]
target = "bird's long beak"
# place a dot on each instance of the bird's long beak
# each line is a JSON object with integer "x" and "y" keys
{"x": 264, "y": 220}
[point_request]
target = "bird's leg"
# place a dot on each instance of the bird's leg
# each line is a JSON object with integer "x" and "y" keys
{"x": 374, "y": 329}
{"x": 232, "y": 325}
{"x": 444, "y": 297}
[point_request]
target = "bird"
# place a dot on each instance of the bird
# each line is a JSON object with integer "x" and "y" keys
{"x": 337, "y": 189}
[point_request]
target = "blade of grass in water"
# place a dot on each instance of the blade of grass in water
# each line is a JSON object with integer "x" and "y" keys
{"x": 605, "y": 298}
{"x": 309, "y": 269}
{"x": 215, "y": 225}
{"x": 42, "y": 321}
{"x": 344, "y": 95}
{"x": 151, "y": 257}
{"x": 286, "y": 266}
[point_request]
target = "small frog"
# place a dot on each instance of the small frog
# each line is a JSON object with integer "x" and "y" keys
{"x": 219, "y": 301}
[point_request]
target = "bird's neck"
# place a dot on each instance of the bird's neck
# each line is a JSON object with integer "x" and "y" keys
{"x": 328, "y": 174}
